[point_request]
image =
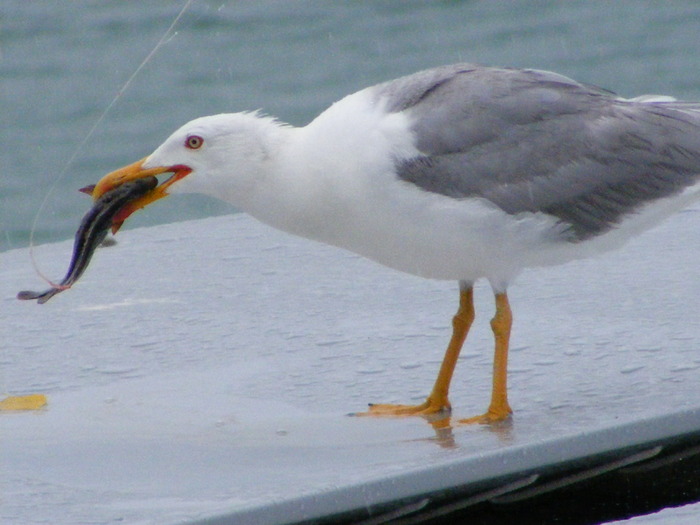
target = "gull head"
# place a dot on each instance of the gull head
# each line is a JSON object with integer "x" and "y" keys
{"x": 223, "y": 156}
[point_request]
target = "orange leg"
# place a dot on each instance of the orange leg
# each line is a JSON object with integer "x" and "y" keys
{"x": 500, "y": 324}
{"x": 437, "y": 400}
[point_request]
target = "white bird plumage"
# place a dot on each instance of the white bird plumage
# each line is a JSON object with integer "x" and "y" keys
{"x": 459, "y": 172}
{"x": 334, "y": 181}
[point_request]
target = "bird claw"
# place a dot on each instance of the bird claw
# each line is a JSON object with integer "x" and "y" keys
{"x": 427, "y": 408}
{"x": 492, "y": 415}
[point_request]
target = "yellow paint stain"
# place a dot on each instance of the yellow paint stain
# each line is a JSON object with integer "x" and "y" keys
{"x": 18, "y": 403}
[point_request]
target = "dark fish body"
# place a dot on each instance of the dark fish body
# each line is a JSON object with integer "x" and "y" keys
{"x": 92, "y": 231}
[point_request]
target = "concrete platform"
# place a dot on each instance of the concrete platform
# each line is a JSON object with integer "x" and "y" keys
{"x": 203, "y": 372}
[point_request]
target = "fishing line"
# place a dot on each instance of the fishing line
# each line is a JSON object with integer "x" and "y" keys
{"x": 167, "y": 36}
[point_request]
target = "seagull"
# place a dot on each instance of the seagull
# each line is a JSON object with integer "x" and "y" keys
{"x": 461, "y": 172}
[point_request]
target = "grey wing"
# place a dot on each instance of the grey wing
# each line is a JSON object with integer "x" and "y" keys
{"x": 532, "y": 141}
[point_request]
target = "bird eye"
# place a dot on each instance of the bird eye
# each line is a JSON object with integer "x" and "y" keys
{"x": 194, "y": 142}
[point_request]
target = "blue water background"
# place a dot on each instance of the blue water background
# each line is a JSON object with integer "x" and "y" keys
{"x": 63, "y": 62}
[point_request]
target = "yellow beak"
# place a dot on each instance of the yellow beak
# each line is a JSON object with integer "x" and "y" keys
{"x": 137, "y": 171}
{"x": 125, "y": 174}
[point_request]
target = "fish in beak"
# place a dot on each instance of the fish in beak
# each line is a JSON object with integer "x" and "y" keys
{"x": 92, "y": 231}
{"x": 132, "y": 172}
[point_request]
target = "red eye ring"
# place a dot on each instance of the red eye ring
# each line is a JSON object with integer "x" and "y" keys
{"x": 194, "y": 142}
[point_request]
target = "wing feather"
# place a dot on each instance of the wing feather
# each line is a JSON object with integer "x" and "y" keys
{"x": 533, "y": 141}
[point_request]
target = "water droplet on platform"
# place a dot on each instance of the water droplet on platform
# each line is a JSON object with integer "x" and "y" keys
{"x": 631, "y": 369}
